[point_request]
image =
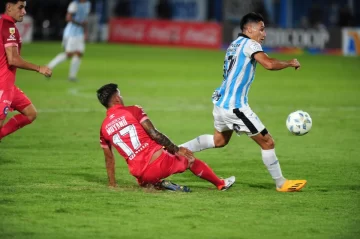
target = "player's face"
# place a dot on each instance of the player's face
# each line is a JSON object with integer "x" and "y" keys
{"x": 120, "y": 97}
{"x": 17, "y": 11}
{"x": 258, "y": 32}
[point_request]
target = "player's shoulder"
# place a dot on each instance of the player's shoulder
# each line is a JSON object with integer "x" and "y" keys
{"x": 134, "y": 108}
{"x": 7, "y": 26}
{"x": 254, "y": 45}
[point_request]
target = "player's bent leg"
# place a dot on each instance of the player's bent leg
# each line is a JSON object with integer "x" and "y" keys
{"x": 16, "y": 122}
{"x": 74, "y": 66}
{"x": 267, "y": 144}
{"x": 30, "y": 112}
{"x": 202, "y": 170}
{"x": 164, "y": 166}
{"x": 69, "y": 54}
{"x": 221, "y": 139}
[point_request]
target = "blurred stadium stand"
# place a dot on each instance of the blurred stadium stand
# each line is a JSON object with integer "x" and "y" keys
{"x": 328, "y": 15}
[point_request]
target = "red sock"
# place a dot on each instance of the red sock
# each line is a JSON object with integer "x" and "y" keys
{"x": 15, "y": 123}
{"x": 202, "y": 170}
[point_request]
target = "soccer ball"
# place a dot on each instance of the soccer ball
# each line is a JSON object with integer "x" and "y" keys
{"x": 299, "y": 122}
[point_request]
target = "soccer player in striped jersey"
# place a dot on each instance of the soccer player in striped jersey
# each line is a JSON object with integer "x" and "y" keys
{"x": 74, "y": 37}
{"x": 231, "y": 108}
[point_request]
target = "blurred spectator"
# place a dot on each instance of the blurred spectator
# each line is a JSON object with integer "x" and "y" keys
{"x": 260, "y": 8}
{"x": 163, "y": 9}
{"x": 316, "y": 16}
{"x": 333, "y": 13}
{"x": 346, "y": 18}
{"x": 122, "y": 8}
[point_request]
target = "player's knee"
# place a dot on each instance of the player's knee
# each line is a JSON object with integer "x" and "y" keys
{"x": 190, "y": 162}
{"x": 78, "y": 54}
{"x": 268, "y": 144}
{"x": 32, "y": 115}
{"x": 220, "y": 142}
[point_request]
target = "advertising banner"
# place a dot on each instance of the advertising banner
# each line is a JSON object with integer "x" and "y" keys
{"x": 351, "y": 41}
{"x": 278, "y": 39}
{"x": 167, "y": 33}
{"x": 26, "y": 29}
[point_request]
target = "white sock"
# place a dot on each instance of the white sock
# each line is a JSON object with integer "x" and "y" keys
{"x": 74, "y": 67}
{"x": 57, "y": 60}
{"x": 202, "y": 142}
{"x": 272, "y": 164}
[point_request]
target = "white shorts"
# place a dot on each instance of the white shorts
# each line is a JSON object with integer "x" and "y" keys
{"x": 72, "y": 44}
{"x": 242, "y": 120}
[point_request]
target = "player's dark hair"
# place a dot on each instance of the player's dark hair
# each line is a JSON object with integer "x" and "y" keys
{"x": 250, "y": 18}
{"x": 106, "y": 92}
{"x": 14, "y": 1}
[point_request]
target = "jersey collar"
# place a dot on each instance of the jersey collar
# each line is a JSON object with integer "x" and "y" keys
{"x": 7, "y": 17}
{"x": 113, "y": 108}
{"x": 243, "y": 35}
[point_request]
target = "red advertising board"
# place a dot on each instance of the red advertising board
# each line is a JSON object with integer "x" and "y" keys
{"x": 166, "y": 33}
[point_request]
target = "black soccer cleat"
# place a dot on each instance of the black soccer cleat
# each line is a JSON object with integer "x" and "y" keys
{"x": 170, "y": 186}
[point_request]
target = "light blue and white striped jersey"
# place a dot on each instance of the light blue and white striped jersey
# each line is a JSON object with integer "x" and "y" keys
{"x": 80, "y": 12}
{"x": 239, "y": 72}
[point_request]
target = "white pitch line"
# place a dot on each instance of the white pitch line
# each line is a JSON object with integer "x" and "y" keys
{"x": 208, "y": 107}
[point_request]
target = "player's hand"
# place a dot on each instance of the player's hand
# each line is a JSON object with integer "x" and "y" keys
{"x": 295, "y": 63}
{"x": 186, "y": 153}
{"x": 46, "y": 71}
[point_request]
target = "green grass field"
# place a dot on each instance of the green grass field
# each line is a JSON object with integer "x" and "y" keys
{"x": 53, "y": 182}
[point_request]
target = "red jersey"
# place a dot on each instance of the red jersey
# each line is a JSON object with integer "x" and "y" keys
{"x": 122, "y": 129}
{"x": 9, "y": 37}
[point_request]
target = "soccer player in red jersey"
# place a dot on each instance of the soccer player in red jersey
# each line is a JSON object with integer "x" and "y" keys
{"x": 150, "y": 155}
{"x": 11, "y": 97}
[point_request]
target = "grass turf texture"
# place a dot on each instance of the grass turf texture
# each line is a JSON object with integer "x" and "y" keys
{"x": 53, "y": 179}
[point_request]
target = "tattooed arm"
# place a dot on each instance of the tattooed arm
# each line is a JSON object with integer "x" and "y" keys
{"x": 158, "y": 137}
{"x": 166, "y": 142}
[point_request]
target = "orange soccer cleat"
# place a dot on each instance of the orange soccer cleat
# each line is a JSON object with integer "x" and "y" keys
{"x": 292, "y": 186}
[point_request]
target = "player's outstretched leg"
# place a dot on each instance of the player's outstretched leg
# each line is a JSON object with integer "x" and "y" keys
{"x": 57, "y": 60}
{"x": 74, "y": 67}
{"x": 200, "y": 143}
{"x": 202, "y": 170}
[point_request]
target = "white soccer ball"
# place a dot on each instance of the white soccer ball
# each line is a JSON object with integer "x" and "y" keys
{"x": 299, "y": 122}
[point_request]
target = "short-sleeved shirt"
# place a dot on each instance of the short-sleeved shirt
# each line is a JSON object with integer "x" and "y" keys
{"x": 80, "y": 12}
{"x": 239, "y": 73}
{"x": 9, "y": 37}
{"x": 122, "y": 129}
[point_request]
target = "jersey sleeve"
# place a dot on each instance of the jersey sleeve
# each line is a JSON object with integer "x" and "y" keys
{"x": 72, "y": 8}
{"x": 139, "y": 113}
{"x": 9, "y": 36}
{"x": 103, "y": 142}
{"x": 89, "y": 8}
{"x": 251, "y": 48}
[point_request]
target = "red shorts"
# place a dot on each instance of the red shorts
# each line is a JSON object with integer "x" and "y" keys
{"x": 164, "y": 166}
{"x": 13, "y": 99}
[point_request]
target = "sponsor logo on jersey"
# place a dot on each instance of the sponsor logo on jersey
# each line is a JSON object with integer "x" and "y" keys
{"x": 12, "y": 36}
{"x": 6, "y": 110}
